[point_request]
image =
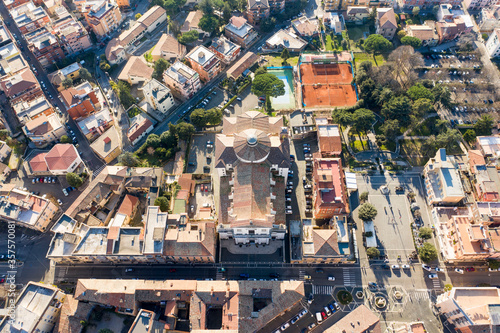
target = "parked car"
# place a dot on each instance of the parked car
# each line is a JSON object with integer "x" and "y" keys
{"x": 395, "y": 266}
{"x": 65, "y": 192}
{"x": 295, "y": 319}
{"x": 59, "y": 202}
{"x": 285, "y": 326}
{"x": 331, "y": 278}
{"x": 433, "y": 276}
{"x": 470, "y": 269}
{"x": 244, "y": 275}
{"x": 459, "y": 271}
{"x": 426, "y": 267}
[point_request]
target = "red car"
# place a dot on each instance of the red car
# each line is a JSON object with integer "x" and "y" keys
{"x": 172, "y": 270}
{"x": 323, "y": 315}
{"x": 206, "y": 188}
{"x": 470, "y": 269}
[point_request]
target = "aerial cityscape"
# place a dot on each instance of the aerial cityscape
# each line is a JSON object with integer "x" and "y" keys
{"x": 249, "y": 166}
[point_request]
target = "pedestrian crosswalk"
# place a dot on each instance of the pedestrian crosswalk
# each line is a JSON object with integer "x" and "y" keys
{"x": 98, "y": 171}
{"x": 349, "y": 277}
{"x": 219, "y": 276}
{"x": 419, "y": 295}
{"x": 322, "y": 290}
{"x": 436, "y": 284}
{"x": 301, "y": 274}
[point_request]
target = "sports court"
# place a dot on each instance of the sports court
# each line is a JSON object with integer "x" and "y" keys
{"x": 286, "y": 101}
{"x": 327, "y": 83}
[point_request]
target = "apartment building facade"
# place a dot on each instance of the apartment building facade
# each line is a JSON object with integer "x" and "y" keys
{"x": 44, "y": 130}
{"x": 257, "y": 10}
{"x": 493, "y": 44}
{"x": 45, "y": 47}
{"x": 72, "y": 35}
{"x": 239, "y": 31}
{"x": 103, "y": 17}
{"x": 204, "y": 62}
{"x": 182, "y": 80}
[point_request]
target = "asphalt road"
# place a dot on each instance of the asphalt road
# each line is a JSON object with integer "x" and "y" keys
{"x": 87, "y": 153}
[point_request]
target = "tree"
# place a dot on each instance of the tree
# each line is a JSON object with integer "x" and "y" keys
{"x": 415, "y": 11}
{"x": 138, "y": 16}
{"x": 260, "y": 70}
{"x": 183, "y": 130}
{"x": 427, "y": 252}
{"x": 105, "y": 330}
{"x": 160, "y": 66}
{"x": 163, "y": 203}
{"x": 104, "y": 66}
{"x": 384, "y": 95}
{"x": 435, "y": 10}
{"x": 67, "y": 83}
{"x": 124, "y": 94}
{"x": 376, "y": 43}
{"x": 268, "y": 24}
{"x": 153, "y": 140}
{"x": 401, "y": 34}
{"x": 398, "y": 108}
{"x": 84, "y": 74}
{"x": 341, "y": 117}
{"x": 441, "y": 94}
{"x": 226, "y": 13}
{"x": 65, "y": 139}
{"x": 425, "y": 233}
{"x": 390, "y": 128}
{"x": 367, "y": 212}
{"x": 363, "y": 196}
{"x": 484, "y": 125}
{"x": 419, "y": 91}
{"x": 372, "y": 252}
{"x": 188, "y": 37}
{"x": 73, "y": 179}
{"x": 422, "y": 106}
{"x": 448, "y": 287}
{"x": 402, "y": 64}
{"x": 207, "y": 7}
{"x": 470, "y": 135}
{"x": 363, "y": 119}
{"x": 448, "y": 139}
{"x": 412, "y": 41}
{"x": 197, "y": 118}
{"x": 128, "y": 159}
{"x": 268, "y": 85}
{"x": 285, "y": 54}
{"x": 208, "y": 23}
{"x": 168, "y": 140}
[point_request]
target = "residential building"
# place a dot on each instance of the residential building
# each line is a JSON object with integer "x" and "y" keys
{"x": 158, "y": 96}
{"x": 470, "y": 309}
{"x": 426, "y": 33}
{"x": 241, "y": 67}
{"x": 489, "y": 19}
{"x": 27, "y": 111}
{"x": 334, "y": 21}
{"x": 147, "y": 23}
{"x": 191, "y": 23}
{"x": 442, "y": 180}
{"x": 357, "y": 14}
{"x": 71, "y": 34}
{"x": 329, "y": 140}
{"x": 329, "y": 244}
{"x": 252, "y": 159}
{"x": 239, "y": 31}
{"x": 204, "y": 62}
{"x": 489, "y": 145}
{"x": 21, "y": 87}
{"x": 108, "y": 146}
{"x": 332, "y": 5}
{"x": 25, "y": 209}
{"x": 29, "y": 17}
{"x": 257, "y": 10}
{"x": 473, "y": 5}
{"x": 385, "y": 23}
{"x": 329, "y": 193}
{"x": 81, "y": 101}
{"x": 276, "y": 6}
{"x": 12, "y": 61}
{"x": 45, "y": 47}
{"x": 5, "y": 151}
{"x": 305, "y": 27}
{"x": 360, "y": 320}
{"x": 44, "y": 130}
{"x": 72, "y": 314}
{"x": 225, "y": 50}
{"x": 52, "y": 6}
{"x": 183, "y": 80}
{"x": 452, "y": 23}
{"x": 71, "y": 71}
{"x": 123, "y": 3}
{"x": 286, "y": 39}
{"x": 145, "y": 322}
{"x": 221, "y": 303}
{"x": 4, "y": 171}
{"x": 36, "y": 309}
{"x": 11, "y": 4}
{"x": 140, "y": 127}
{"x": 426, "y": 4}
{"x": 58, "y": 161}
{"x": 136, "y": 71}
{"x": 485, "y": 179}
{"x": 96, "y": 124}
{"x": 103, "y": 17}
{"x": 493, "y": 44}
{"x": 168, "y": 48}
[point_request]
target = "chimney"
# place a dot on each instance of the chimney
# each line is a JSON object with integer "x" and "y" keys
{"x": 107, "y": 140}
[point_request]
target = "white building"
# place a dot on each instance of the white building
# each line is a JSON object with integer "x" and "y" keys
{"x": 158, "y": 96}
{"x": 493, "y": 44}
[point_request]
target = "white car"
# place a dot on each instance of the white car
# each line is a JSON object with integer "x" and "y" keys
{"x": 65, "y": 192}
{"x": 331, "y": 278}
{"x": 285, "y": 326}
{"x": 439, "y": 270}
{"x": 395, "y": 266}
{"x": 426, "y": 267}
{"x": 59, "y": 202}
{"x": 129, "y": 270}
{"x": 406, "y": 266}
{"x": 459, "y": 271}
{"x": 433, "y": 276}
{"x": 288, "y": 212}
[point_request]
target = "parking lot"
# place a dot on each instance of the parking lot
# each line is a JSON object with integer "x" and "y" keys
{"x": 201, "y": 155}
{"x": 248, "y": 102}
{"x": 457, "y": 61}
{"x": 203, "y": 198}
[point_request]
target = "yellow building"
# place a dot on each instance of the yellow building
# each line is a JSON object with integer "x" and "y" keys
{"x": 103, "y": 17}
{"x": 108, "y": 146}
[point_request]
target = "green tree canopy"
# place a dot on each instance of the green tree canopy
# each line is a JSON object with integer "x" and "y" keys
{"x": 207, "y": 7}
{"x": 376, "y": 43}
{"x": 484, "y": 125}
{"x": 422, "y": 106}
{"x": 226, "y": 13}
{"x": 65, "y": 139}
{"x": 153, "y": 140}
{"x": 138, "y": 16}
{"x": 160, "y": 66}
{"x": 268, "y": 85}
{"x": 209, "y": 23}
{"x": 412, "y": 41}
{"x": 363, "y": 119}
{"x": 124, "y": 94}
{"x": 67, "y": 83}
{"x": 260, "y": 70}
{"x": 372, "y": 252}
{"x": 188, "y": 37}
{"x": 427, "y": 252}
{"x": 342, "y": 117}
{"x": 400, "y": 34}
{"x": 285, "y": 55}
{"x": 163, "y": 203}
{"x": 415, "y": 11}
{"x": 73, "y": 179}
{"x": 367, "y": 212}
{"x": 268, "y": 24}
{"x": 84, "y": 74}
{"x": 442, "y": 94}
{"x": 391, "y": 129}
{"x": 419, "y": 91}
{"x": 363, "y": 196}
{"x": 128, "y": 159}
{"x": 182, "y": 130}
{"x": 398, "y": 108}
{"x": 425, "y": 233}
{"x": 168, "y": 140}
{"x": 202, "y": 117}
{"x": 470, "y": 135}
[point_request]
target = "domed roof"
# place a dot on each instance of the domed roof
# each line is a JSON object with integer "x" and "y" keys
{"x": 252, "y": 145}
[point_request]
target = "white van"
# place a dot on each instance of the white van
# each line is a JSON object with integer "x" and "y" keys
{"x": 318, "y": 317}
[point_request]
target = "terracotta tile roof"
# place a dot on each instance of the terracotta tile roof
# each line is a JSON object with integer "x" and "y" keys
{"x": 170, "y": 45}
{"x": 18, "y": 83}
{"x": 61, "y": 156}
{"x": 38, "y": 164}
{"x": 186, "y": 182}
{"x": 359, "y": 320}
{"x": 72, "y": 312}
{"x": 192, "y": 20}
{"x": 237, "y": 21}
{"x": 113, "y": 48}
{"x": 39, "y": 126}
{"x": 325, "y": 242}
{"x": 136, "y": 66}
{"x": 139, "y": 130}
{"x": 387, "y": 19}
{"x": 476, "y": 158}
{"x": 128, "y": 204}
{"x": 258, "y": 4}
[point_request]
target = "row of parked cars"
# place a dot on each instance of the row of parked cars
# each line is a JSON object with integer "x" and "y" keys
{"x": 67, "y": 190}
{"x": 293, "y": 321}
{"x": 328, "y": 310}
{"x": 47, "y": 180}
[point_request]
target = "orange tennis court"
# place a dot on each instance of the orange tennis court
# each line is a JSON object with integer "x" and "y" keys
{"x": 329, "y": 95}
{"x": 326, "y": 73}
